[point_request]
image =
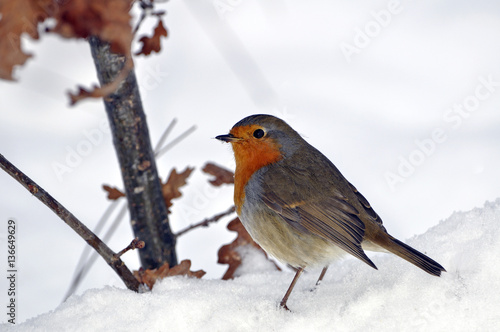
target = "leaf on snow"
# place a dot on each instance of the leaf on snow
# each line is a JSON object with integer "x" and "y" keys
{"x": 222, "y": 175}
{"x": 170, "y": 189}
{"x": 149, "y": 277}
{"x": 16, "y": 18}
{"x": 113, "y": 193}
{"x": 228, "y": 253}
{"x": 153, "y": 44}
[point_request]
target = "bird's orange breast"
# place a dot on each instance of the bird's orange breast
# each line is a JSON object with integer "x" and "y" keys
{"x": 251, "y": 154}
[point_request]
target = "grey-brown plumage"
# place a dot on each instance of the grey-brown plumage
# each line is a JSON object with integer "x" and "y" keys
{"x": 300, "y": 208}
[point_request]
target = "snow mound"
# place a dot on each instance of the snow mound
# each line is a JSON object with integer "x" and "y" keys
{"x": 352, "y": 297}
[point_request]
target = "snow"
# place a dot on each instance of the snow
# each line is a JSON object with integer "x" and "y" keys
{"x": 364, "y": 115}
{"x": 352, "y": 297}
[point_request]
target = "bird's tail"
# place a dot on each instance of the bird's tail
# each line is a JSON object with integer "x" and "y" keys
{"x": 413, "y": 256}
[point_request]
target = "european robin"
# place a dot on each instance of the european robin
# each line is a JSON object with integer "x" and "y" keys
{"x": 297, "y": 205}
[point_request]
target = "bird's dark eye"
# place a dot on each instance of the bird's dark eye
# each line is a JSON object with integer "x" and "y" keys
{"x": 258, "y": 133}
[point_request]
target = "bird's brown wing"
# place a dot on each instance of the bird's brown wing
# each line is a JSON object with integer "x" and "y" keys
{"x": 332, "y": 218}
{"x": 366, "y": 206}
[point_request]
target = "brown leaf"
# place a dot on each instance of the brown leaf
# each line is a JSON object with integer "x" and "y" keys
{"x": 175, "y": 180}
{"x": 83, "y": 93}
{"x": 228, "y": 253}
{"x": 149, "y": 277}
{"x": 113, "y": 193}
{"x": 109, "y": 20}
{"x": 153, "y": 44}
{"x": 222, "y": 175}
{"x": 98, "y": 92}
{"x": 183, "y": 269}
{"x": 19, "y": 17}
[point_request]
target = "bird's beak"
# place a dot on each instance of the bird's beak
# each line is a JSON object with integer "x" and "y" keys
{"x": 227, "y": 138}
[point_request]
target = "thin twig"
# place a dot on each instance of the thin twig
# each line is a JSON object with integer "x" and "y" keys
{"x": 106, "y": 253}
{"x": 83, "y": 269}
{"x": 141, "y": 19}
{"x": 175, "y": 141}
{"x": 205, "y": 222}
{"x": 147, "y": 8}
{"x": 83, "y": 261}
{"x": 135, "y": 244}
{"x": 164, "y": 136}
{"x": 97, "y": 229}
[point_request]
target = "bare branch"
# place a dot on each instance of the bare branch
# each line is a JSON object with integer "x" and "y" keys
{"x": 130, "y": 132}
{"x": 85, "y": 264}
{"x": 106, "y": 253}
{"x": 205, "y": 222}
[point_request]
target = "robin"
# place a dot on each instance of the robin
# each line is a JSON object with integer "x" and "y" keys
{"x": 297, "y": 205}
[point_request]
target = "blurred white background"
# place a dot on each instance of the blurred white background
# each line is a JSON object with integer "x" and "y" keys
{"x": 369, "y": 83}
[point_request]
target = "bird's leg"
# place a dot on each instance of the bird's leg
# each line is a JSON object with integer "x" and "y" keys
{"x": 321, "y": 275}
{"x": 289, "y": 291}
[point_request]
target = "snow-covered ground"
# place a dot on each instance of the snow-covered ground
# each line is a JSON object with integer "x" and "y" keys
{"x": 353, "y": 297}
{"x": 403, "y": 96}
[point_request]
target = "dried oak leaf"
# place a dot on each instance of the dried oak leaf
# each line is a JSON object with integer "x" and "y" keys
{"x": 16, "y": 18}
{"x": 149, "y": 277}
{"x": 113, "y": 193}
{"x": 228, "y": 253}
{"x": 170, "y": 189}
{"x": 222, "y": 175}
{"x": 109, "y": 20}
{"x": 153, "y": 44}
{"x": 98, "y": 92}
{"x": 84, "y": 93}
